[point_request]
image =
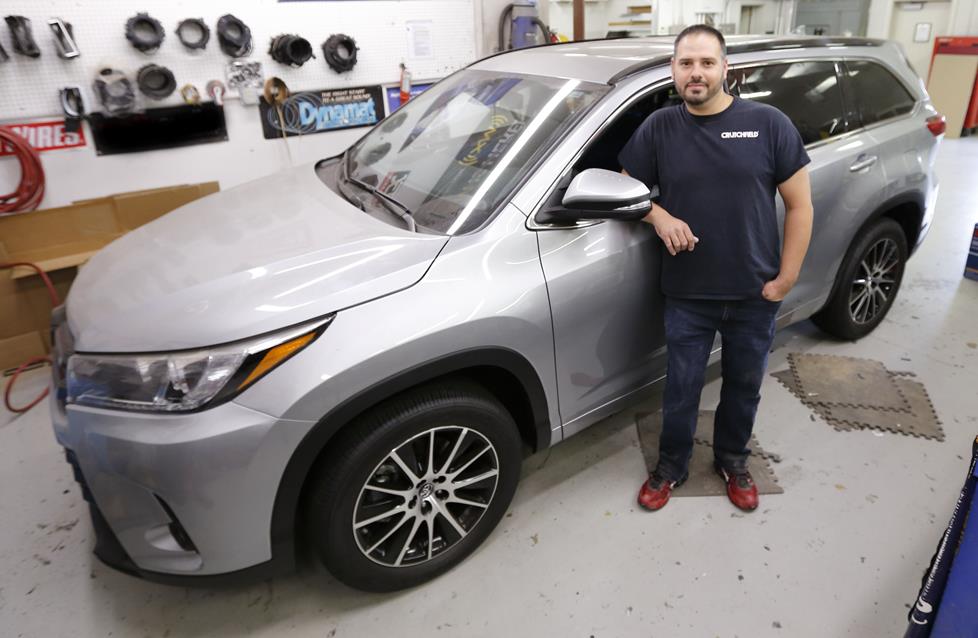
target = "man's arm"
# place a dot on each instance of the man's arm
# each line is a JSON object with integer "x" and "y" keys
{"x": 673, "y": 232}
{"x": 798, "y": 212}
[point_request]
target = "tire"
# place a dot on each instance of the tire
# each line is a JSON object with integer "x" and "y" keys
{"x": 473, "y": 437}
{"x": 868, "y": 282}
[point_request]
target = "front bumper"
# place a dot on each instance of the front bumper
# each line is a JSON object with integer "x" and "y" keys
{"x": 178, "y": 495}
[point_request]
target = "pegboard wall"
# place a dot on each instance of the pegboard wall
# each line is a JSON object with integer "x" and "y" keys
{"x": 29, "y": 87}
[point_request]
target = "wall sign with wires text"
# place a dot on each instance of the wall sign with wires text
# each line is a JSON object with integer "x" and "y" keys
{"x": 321, "y": 111}
{"x": 46, "y": 136}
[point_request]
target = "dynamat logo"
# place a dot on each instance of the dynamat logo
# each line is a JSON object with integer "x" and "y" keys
{"x": 735, "y": 134}
{"x": 497, "y": 122}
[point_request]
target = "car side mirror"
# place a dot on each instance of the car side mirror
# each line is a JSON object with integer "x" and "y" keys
{"x": 597, "y": 193}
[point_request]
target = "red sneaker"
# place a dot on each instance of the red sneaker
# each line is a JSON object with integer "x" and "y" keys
{"x": 656, "y": 491}
{"x": 740, "y": 488}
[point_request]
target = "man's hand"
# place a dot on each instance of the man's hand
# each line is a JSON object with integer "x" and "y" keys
{"x": 777, "y": 289}
{"x": 673, "y": 232}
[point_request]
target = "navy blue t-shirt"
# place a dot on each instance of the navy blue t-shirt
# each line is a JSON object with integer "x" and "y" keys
{"x": 719, "y": 174}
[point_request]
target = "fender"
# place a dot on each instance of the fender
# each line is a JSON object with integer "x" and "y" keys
{"x": 914, "y": 198}
{"x": 287, "y": 500}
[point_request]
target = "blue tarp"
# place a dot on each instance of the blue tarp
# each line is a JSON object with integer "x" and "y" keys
{"x": 957, "y": 616}
{"x": 947, "y": 606}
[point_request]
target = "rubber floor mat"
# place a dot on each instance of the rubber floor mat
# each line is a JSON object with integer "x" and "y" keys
{"x": 832, "y": 380}
{"x": 703, "y": 481}
{"x": 921, "y": 420}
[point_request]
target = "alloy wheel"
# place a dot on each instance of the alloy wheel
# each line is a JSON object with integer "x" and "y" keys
{"x": 425, "y": 496}
{"x": 875, "y": 281}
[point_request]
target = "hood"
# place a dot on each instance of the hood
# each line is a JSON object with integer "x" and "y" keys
{"x": 262, "y": 256}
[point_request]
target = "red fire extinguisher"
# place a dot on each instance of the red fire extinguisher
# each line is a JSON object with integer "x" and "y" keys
{"x": 405, "y": 84}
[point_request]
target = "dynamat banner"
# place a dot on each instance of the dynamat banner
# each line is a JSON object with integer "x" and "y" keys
{"x": 321, "y": 111}
{"x": 45, "y": 136}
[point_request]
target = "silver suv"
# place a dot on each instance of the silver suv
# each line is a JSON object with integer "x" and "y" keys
{"x": 354, "y": 356}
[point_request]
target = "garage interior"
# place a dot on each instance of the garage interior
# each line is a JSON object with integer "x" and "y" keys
{"x": 852, "y": 509}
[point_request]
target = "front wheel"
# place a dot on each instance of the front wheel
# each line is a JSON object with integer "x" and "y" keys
{"x": 414, "y": 486}
{"x": 868, "y": 282}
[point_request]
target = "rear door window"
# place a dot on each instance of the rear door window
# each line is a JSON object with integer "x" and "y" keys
{"x": 807, "y": 92}
{"x": 878, "y": 95}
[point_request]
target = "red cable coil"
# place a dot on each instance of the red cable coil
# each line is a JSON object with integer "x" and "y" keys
{"x": 55, "y": 301}
{"x": 30, "y": 191}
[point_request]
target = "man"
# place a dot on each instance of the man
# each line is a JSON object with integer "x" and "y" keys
{"x": 716, "y": 161}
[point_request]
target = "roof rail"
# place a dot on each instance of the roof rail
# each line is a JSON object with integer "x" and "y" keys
{"x": 545, "y": 44}
{"x": 772, "y": 44}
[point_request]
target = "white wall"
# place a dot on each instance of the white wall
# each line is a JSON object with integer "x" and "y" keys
{"x": 669, "y": 16}
{"x": 378, "y": 26}
{"x": 766, "y": 21}
{"x": 488, "y": 12}
{"x": 964, "y": 18}
{"x": 678, "y": 13}
{"x": 80, "y": 173}
{"x": 840, "y": 16}
{"x": 597, "y": 14}
{"x": 903, "y": 25}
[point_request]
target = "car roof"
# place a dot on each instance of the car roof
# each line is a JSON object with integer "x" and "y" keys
{"x": 608, "y": 61}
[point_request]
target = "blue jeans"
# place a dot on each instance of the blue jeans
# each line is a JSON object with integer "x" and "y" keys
{"x": 747, "y": 330}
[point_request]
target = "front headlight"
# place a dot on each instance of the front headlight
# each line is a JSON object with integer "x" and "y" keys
{"x": 182, "y": 381}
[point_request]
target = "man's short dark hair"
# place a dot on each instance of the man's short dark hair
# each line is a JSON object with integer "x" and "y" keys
{"x": 701, "y": 28}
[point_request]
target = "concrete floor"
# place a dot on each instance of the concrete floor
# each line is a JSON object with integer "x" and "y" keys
{"x": 840, "y": 553}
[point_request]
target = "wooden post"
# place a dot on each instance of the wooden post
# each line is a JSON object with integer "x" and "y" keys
{"x": 578, "y": 19}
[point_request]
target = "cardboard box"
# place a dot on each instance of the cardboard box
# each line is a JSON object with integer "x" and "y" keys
{"x": 951, "y": 81}
{"x": 59, "y": 240}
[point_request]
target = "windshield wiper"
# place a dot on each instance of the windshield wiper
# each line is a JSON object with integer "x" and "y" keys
{"x": 387, "y": 201}
{"x": 395, "y": 207}
{"x": 349, "y": 196}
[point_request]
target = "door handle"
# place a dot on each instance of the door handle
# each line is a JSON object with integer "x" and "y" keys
{"x": 862, "y": 162}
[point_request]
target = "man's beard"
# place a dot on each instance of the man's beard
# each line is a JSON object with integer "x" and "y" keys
{"x": 698, "y": 100}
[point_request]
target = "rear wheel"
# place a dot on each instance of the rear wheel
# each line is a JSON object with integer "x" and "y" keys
{"x": 868, "y": 282}
{"x": 414, "y": 486}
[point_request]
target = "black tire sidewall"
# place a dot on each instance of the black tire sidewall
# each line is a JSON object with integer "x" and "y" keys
{"x": 331, "y": 519}
{"x": 836, "y": 317}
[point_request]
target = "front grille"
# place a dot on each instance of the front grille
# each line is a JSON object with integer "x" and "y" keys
{"x": 177, "y": 530}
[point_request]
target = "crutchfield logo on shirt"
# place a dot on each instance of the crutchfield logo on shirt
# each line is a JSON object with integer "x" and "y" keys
{"x": 735, "y": 134}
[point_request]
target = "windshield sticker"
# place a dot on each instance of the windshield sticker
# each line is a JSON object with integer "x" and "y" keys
{"x": 488, "y": 92}
{"x": 483, "y": 149}
{"x": 492, "y": 92}
{"x": 321, "y": 111}
{"x": 392, "y": 181}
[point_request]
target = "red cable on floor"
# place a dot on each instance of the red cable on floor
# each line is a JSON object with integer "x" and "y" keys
{"x": 10, "y": 386}
{"x": 55, "y": 301}
{"x": 30, "y": 191}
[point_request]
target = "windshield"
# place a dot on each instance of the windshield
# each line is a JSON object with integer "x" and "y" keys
{"x": 450, "y": 155}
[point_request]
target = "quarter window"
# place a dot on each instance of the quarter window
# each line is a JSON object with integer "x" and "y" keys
{"x": 878, "y": 95}
{"x": 807, "y": 92}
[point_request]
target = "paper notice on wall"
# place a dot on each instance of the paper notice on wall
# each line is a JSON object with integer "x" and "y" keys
{"x": 419, "y": 40}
